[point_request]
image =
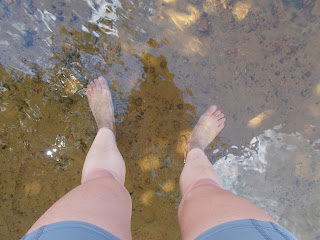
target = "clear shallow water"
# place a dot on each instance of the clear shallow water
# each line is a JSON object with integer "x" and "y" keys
{"x": 279, "y": 173}
{"x": 165, "y": 61}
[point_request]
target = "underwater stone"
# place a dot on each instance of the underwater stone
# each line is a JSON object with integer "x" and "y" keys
{"x": 66, "y": 100}
{"x": 163, "y": 64}
{"x": 203, "y": 25}
{"x": 305, "y": 92}
{"x": 6, "y": 86}
{"x": 138, "y": 102}
{"x": 307, "y": 74}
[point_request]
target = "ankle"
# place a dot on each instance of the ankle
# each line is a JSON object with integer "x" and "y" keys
{"x": 106, "y": 129}
{"x": 191, "y": 147}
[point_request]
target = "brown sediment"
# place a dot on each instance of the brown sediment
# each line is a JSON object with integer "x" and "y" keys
{"x": 265, "y": 60}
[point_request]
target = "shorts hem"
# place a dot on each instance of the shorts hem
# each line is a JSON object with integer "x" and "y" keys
{"x": 77, "y": 229}
{"x": 250, "y": 228}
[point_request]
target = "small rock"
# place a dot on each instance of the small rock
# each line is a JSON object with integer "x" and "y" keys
{"x": 305, "y": 92}
{"x": 307, "y": 74}
{"x": 185, "y": 60}
{"x": 235, "y": 118}
{"x": 180, "y": 106}
{"x": 203, "y": 25}
{"x": 66, "y": 100}
{"x": 6, "y": 86}
{"x": 163, "y": 64}
{"x": 138, "y": 102}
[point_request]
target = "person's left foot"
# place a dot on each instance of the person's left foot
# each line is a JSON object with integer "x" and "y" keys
{"x": 208, "y": 127}
{"x": 100, "y": 102}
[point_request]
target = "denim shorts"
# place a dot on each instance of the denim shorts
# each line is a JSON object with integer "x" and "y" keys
{"x": 248, "y": 229}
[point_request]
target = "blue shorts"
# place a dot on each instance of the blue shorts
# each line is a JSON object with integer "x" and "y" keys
{"x": 248, "y": 229}
{"x": 241, "y": 229}
{"x": 70, "y": 230}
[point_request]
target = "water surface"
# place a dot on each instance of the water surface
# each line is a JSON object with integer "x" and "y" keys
{"x": 166, "y": 61}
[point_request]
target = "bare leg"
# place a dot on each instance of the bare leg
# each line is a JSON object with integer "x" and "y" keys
{"x": 101, "y": 199}
{"x": 204, "y": 203}
{"x": 104, "y": 153}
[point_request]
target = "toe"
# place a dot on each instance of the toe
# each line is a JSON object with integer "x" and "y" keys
{"x": 220, "y": 127}
{"x": 220, "y": 116}
{"x": 210, "y": 110}
{"x": 88, "y": 92}
{"x": 222, "y": 120}
{"x": 89, "y": 87}
{"x": 92, "y": 84}
{"x": 97, "y": 83}
{"x": 102, "y": 81}
{"x": 217, "y": 113}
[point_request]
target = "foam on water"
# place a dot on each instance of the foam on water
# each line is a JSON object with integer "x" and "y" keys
{"x": 277, "y": 172}
{"x": 103, "y": 10}
{"x": 31, "y": 33}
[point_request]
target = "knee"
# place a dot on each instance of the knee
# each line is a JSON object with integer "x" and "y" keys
{"x": 194, "y": 193}
{"x": 196, "y": 177}
{"x": 101, "y": 173}
{"x": 207, "y": 183}
{"x": 104, "y": 179}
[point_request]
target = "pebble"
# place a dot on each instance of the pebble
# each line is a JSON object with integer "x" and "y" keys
{"x": 138, "y": 102}
{"x": 163, "y": 64}
{"x": 185, "y": 60}
{"x": 6, "y": 86}
{"x": 180, "y": 106}
{"x": 203, "y": 25}
{"x": 305, "y": 92}
{"x": 66, "y": 100}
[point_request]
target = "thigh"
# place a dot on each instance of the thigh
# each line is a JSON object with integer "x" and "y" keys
{"x": 101, "y": 201}
{"x": 206, "y": 205}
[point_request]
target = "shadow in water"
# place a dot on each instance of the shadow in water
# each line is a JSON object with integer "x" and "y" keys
{"x": 152, "y": 139}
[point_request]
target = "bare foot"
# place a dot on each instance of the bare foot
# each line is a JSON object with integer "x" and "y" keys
{"x": 208, "y": 127}
{"x": 100, "y": 103}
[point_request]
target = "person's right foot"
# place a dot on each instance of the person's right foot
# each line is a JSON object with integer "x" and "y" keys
{"x": 208, "y": 127}
{"x": 100, "y": 103}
